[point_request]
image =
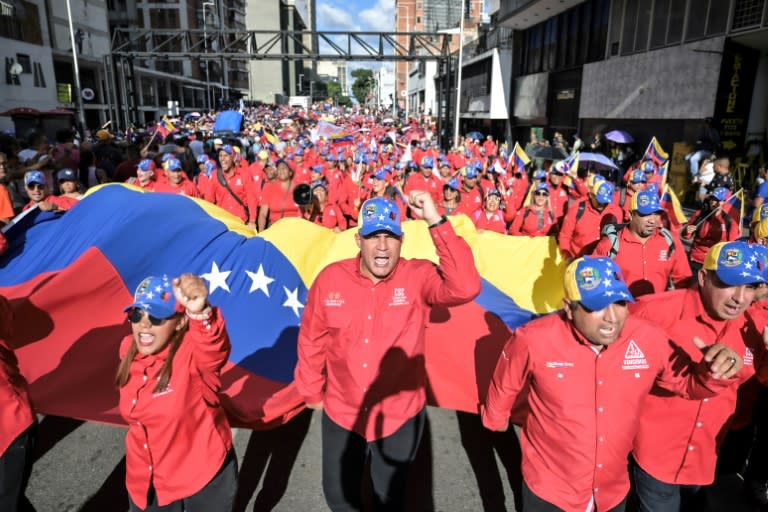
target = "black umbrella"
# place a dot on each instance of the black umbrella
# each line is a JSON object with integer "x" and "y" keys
{"x": 548, "y": 153}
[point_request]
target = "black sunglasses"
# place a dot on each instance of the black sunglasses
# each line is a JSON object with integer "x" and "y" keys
{"x": 540, "y": 194}
{"x": 35, "y": 186}
{"x": 135, "y": 315}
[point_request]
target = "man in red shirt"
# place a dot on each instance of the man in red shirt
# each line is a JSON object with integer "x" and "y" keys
{"x": 558, "y": 198}
{"x": 176, "y": 181}
{"x": 425, "y": 180}
{"x": 361, "y": 349}
{"x": 587, "y": 371}
{"x": 647, "y": 253}
{"x": 471, "y": 195}
{"x": 676, "y": 446}
{"x": 585, "y": 220}
{"x": 34, "y": 183}
{"x": 240, "y": 198}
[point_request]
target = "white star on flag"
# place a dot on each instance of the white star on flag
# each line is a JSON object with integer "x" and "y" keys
{"x": 744, "y": 274}
{"x": 293, "y": 300}
{"x": 216, "y": 278}
{"x": 624, "y": 295}
{"x": 381, "y": 217}
{"x": 609, "y": 293}
{"x": 607, "y": 283}
{"x": 259, "y": 280}
{"x": 158, "y": 289}
{"x": 748, "y": 265}
{"x": 753, "y": 258}
{"x": 149, "y": 295}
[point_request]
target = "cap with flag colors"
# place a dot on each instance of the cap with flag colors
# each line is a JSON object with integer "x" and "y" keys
{"x": 155, "y": 296}
{"x": 379, "y": 214}
{"x": 595, "y": 283}
{"x": 735, "y": 263}
{"x": 645, "y": 203}
{"x": 603, "y": 192}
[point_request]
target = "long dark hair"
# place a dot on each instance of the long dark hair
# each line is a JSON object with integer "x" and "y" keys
{"x": 124, "y": 370}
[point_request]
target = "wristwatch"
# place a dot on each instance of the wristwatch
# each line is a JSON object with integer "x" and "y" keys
{"x": 443, "y": 220}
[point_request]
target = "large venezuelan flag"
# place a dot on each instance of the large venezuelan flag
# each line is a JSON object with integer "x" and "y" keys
{"x": 69, "y": 276}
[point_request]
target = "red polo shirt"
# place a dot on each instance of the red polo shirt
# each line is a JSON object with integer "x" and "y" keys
{"x": 279, "y": 201}
{"x": 648, "y": 266}
{"x": 719, "y": 227}
{"x": 677, "y": 439}
{"x": 361, "y": 345}
{"x": 471, "y": 199}
{"x": 579, "y": 236}
{"x": 331, "y": 217}
{"x": 16, "y": 414}
{"x": 558, "y": 199}
{"x": 584, "y": 405}
{"x": 177, "y": 439}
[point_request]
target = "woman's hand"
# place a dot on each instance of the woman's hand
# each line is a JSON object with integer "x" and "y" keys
{"x": 191, "y": 292}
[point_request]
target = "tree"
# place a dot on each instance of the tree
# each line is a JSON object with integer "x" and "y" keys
{"x": 363, "y": 84}
{"x": 334, "y": 90}
{"x": 344, "y": 101}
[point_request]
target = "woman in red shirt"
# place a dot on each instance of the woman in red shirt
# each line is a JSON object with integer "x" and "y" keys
{"x": 277, "y": 198}
{"x": 323, "y": 212}
{"x": 490, "y": 217}
{"x": 451, "y": 203}
{"x": 179, "y": 444}
{"x": 536, "y": 219}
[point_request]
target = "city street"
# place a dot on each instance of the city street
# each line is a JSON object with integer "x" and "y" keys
{"x": 82, "y": 467}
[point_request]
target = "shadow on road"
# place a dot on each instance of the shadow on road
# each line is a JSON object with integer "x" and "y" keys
{"x": 270, "y": 454}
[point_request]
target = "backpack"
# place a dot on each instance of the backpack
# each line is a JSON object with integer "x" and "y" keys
{"x": 551, "y": 216}
{"x": 612, "y": 232}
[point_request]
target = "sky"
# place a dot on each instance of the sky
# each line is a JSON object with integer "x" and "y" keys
{"x": 357, "y": 15}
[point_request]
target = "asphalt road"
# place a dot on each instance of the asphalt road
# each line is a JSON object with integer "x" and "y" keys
{"x": 81, "y": 467}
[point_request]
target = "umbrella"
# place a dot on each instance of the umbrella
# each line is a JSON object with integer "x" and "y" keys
{"x": 598, "y": 161}
{"x": 619, "y": 136}
{"x": 475, "y": 135}
{"x": 548, "y": 153}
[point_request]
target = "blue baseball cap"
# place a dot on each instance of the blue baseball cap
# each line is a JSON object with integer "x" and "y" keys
{"x": 595, "y": 283}
{"x": 379, "y": 214}
{"x": 167, "y": 156}
{"x": 146, "y": 165}
{"x": 228, "y": 149}
{"x": 34, "y": 177}
{"x": 539, "y": 174}
{"x": 720, "y": 193}
{"x": 155, "y": 296}
{"x": 735, "y": 263}
{"x": 452, "y": 183}
{"x": 66, "y": 174}
{"x": 638, "y": 176}
{"x": 428, "y": 161}
{"x": 202, "y": 159}
{"x": 648, "y": 166}
{"x": 172, "y": 164}
{"x": 603, "y": 192}
{"x": 379, "y": 175}
{"x": 470, "y": 172}
{"x": 645, "y": 202}
{"x": 210, "y": 167}
{"x": 493, "y": 192}
{"x": 541, "y": 186}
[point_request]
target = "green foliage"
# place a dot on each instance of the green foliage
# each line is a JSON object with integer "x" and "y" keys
{"x": 363, "y": 84}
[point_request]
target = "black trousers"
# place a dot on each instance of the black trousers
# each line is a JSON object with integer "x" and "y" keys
{"x": 15, "y": 468}
{"x": 217, "y": 496}
{"x": 344, "y": 457}
{"x": 532, "y": 503}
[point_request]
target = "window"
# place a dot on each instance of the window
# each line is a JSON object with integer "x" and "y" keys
{"x": 659, "y": 23}
{"x": 747, "y": 13}
{"x": 23, "y": 25}
{"x": 628, "y": 29}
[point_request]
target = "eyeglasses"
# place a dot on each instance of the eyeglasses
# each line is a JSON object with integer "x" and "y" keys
{"x": 540, "y": 194}
{"x": 35, "y": 186}
{"x": 135, "y": 315}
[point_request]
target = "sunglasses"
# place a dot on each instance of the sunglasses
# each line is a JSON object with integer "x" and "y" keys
{"x": 35, "y": 186}
{"x": 540, "y": 194}
{"x": 135, "y": 315}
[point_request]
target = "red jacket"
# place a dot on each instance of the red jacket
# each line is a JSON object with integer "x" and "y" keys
{"x": 361, "y": 345}
{"x": 584, "y": 405}
{"x": 558, "y": 198}
{"x": 331, "y": 217}
{"x": 719, "y": 227}
{"x": 526, "y": 222}
{"x": 177, "y": 439}
{"x": 279, "y": 201}
{"x": 16, "y": 413}
{"x": 647, "y": 267}
{"x": 579, "y": 236}
{"x": 677, "y": 440}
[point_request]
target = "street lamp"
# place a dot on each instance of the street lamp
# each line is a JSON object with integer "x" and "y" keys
{"x": 207, "y": 62}
{"x": 458, "y": 78}
{"x": 76, "y": 67}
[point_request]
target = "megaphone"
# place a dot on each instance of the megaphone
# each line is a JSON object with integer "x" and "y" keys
{"x": 302, "y": 194}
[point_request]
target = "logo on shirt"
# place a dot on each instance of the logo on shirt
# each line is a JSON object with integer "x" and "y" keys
{"x": 168, "y": 389}
{"x": 749, "y": 357}
{"x": 663, "y": 255}
{"x": 334, "y": 300}
{"x": 559, "y": 364}
{"x": 399, "y": 298}
{"x": 239, "y": 183}
{"x": 634, "y": 359}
